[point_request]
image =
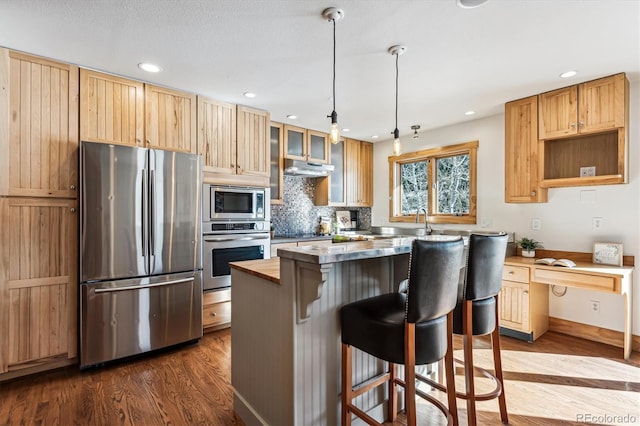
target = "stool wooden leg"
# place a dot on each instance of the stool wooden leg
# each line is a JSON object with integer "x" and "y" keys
{"x": 450, "y": 372}
{"x": 410, "y": 372}
{"x": 393, "y": 395}
{"x": 347, "y": 387}
{"x": 467, "y": 343}
{"x": 497, "y": 362}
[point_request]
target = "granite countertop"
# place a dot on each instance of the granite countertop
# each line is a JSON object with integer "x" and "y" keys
{"x": 356, "y": 250}
{"x": 292, "y": 238}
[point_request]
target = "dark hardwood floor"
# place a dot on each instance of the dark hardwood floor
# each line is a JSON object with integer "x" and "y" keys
{"x": 551, "y": 382}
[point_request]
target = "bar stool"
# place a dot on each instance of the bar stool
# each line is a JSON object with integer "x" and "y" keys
{"x": 476, "y": 314}
{"x": 410, "y": 329}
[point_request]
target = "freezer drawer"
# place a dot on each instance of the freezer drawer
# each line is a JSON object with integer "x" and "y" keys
{"x": 129, "y": 317}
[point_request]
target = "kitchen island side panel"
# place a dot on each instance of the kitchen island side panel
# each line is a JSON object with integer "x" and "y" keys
{"x": 287, "y": 371}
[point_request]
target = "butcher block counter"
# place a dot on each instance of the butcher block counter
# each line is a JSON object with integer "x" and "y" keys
{"x": 286, "y": 332}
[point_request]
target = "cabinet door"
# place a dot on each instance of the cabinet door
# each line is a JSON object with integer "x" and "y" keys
{"x": 521, "y": 152}
{"x": 352, "y": 157}
{"x": 276, "y": 150}
{"x": 514, "y": 306}
{"x": 170, "y": 119}
{"x": 111, "y": 109}
{"x": 365, "y": 175}
{"x": 318, "y": 147}
{"x": 253, "y": 152}
{"x": 38, "y": 127}
{"x": 602, "y": 104}
{"x": 558, "y": 113}
{"x": 337, "y": 181}
{"x": 295, "y": 146}
{"x": 217, "y": 136}
{"x": 38, "y": 282}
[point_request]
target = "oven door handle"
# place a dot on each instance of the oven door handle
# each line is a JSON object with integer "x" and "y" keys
{"x": 141, "y": 287}
{"x": 221, "y": 240}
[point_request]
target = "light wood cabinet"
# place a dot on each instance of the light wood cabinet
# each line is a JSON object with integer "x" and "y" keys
{"x": 359, "y": 173}
{"x": 253, "y": 152}
{"x": 128, "y": 112}
{"x": 216, "y": 310}
{"x": 276, "y": 164}
{"x": 170, "y": 119}
{"x": 594, "y": 106}
{"x": 111, "y": 109}
{"x": 38, "y": 283}
{"x": 521, "y": 152}
{"x": 306, "y": 145}
{"x": 524, "y": 306}
{"x": 216, "y": 136}
{"x": 38, "y": 126}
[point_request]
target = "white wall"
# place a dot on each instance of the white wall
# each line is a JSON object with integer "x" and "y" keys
{"x": 566, "y": 218}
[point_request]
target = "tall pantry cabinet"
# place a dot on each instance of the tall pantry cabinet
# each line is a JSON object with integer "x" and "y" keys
{"x": 38, "y": 211}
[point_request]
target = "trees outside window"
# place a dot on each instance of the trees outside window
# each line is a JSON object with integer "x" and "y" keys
{"x": 441, "y": 180}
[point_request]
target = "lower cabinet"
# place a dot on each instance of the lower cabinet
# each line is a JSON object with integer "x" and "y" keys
{"x": 275, "y": 247}
{"x": 216, "y": 310}
{"x": 524, "y": 306}
{"x": 38, "y": 284}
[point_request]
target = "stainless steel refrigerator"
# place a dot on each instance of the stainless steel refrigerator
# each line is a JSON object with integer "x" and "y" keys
{"x": 141, "y": 250}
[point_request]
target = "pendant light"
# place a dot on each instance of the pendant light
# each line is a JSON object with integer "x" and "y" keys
{"x": 397, "y": 51}
{"x": 333, "y": 14}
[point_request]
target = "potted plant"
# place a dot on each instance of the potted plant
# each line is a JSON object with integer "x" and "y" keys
{"x": 272, "y": 231}
{"x": 529, "y": 246}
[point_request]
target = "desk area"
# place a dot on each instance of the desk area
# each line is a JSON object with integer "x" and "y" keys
{"x": 585, "y": 275}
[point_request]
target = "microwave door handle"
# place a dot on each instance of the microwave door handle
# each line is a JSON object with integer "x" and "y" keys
{"x": 220, "y": 240}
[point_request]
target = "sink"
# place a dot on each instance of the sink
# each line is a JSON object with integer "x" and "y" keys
{"x": 395, "y": 231}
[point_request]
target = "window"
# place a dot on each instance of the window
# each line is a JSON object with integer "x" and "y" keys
{"x": 441, "y": 180}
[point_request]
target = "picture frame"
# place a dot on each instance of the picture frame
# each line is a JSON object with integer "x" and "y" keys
{"x": 607, "y": 253}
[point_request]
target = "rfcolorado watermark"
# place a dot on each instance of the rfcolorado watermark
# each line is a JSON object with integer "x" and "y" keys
{"x": 606, "y": 418}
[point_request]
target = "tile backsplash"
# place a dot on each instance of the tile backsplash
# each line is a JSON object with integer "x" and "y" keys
{"x": 298, "y": 214}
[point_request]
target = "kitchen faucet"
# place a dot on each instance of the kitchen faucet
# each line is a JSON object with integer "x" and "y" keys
{"x": 427, "y": 227}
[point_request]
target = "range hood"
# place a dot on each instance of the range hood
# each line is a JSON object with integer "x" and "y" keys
{"x": 304, "y": 168}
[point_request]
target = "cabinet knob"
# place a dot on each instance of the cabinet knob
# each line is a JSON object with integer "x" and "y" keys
{"x": 573, "y": 125}
{"x": 213, "y": 314}
{"x": 525, "y": 292}
{"x": 510, "y": 272}
{"x": 582, "y": 124}
{"x": 138, "y": 141}
{"x": 72, "y": 187}
{"x": 72, "y": 209}
{"x": 533, "y": 193}
{"x": 148, "y": 141}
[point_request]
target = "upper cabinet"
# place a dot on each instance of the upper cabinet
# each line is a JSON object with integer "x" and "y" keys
{"x": 234, "y": 143}
{"x": 581, "y": 139}
{"x": 332, "y": 190}
{"x": 276, "y": 164}
{"x": 594, "y": 106}
{"x": 521, "y": 152}
{"x": 128, "y": 112}
{"x": 38, "y": 126}
{"x": 306, "y": 145}
{"x": 217, "y": 136}
{"x": 359, "y": 173}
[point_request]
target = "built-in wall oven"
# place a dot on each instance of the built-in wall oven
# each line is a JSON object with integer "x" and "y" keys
{"x": 235, "y": 227}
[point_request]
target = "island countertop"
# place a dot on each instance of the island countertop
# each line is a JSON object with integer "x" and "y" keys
{"x": 355, "y": 250}
{"x": 269, "y": 269}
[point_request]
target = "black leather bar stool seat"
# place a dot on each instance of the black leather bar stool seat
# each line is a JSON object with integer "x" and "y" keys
{"x": 411, "y": 328}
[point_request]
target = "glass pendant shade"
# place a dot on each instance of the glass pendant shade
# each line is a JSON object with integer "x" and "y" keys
{"x": 396, "y": 142}
{"x": 334, "y": 133}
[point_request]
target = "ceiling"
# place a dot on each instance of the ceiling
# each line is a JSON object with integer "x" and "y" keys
{"x": 456, "y": 60}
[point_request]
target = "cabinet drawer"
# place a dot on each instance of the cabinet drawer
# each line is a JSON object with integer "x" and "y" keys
{"x": 216, "y": 296}
{"x": 515, "y": 273}
{"x": 217, "y": 314}
{"x": 575, "y": 279}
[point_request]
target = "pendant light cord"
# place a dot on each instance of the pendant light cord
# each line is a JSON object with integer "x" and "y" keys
{"x": 334, "y": 64}
{"x": 397, "y": 91}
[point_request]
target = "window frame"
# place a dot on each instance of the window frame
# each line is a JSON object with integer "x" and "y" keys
{"x": 431, "y": 155}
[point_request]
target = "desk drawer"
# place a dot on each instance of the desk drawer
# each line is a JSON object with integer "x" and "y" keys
{"x": 574, "y": 279}
{"x": 515, "y": 273}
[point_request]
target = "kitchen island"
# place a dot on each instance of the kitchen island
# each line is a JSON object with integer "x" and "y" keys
{"x": 286, "y": 328}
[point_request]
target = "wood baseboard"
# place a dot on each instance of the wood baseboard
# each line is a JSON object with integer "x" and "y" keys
{"x": 593, "y": 333}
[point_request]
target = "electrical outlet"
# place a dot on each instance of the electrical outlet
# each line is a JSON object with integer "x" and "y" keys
{"x": 597, "y": 222}
{"x": 536, "y": 224}
{"x": 485, "y": 222}
{"x": 587, "y": 171}
{"x": 595, "y": 306}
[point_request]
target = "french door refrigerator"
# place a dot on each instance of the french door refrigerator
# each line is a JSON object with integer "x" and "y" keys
{"x": 141, "y": 250}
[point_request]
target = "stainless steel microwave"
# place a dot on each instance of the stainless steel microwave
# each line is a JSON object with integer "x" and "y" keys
{"x": 235, "y": 202}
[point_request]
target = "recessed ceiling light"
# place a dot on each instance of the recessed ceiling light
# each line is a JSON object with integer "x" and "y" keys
{"x": 470, "y": 4}
{"x": 346, "y": 130}
{"x": 146, "y": 66}
{"x": 469, "y": 113}
{"x": 568, "y": 74}
{"x": 292, "y": 117}
{"x": 249, "y": 95}
{"x": 374, "y": 137}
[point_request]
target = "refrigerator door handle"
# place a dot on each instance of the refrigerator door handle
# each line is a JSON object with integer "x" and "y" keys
{"x": 141, "y": 287}
{"x": 152, "y": 219}
{"x": 144, "y": 213}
